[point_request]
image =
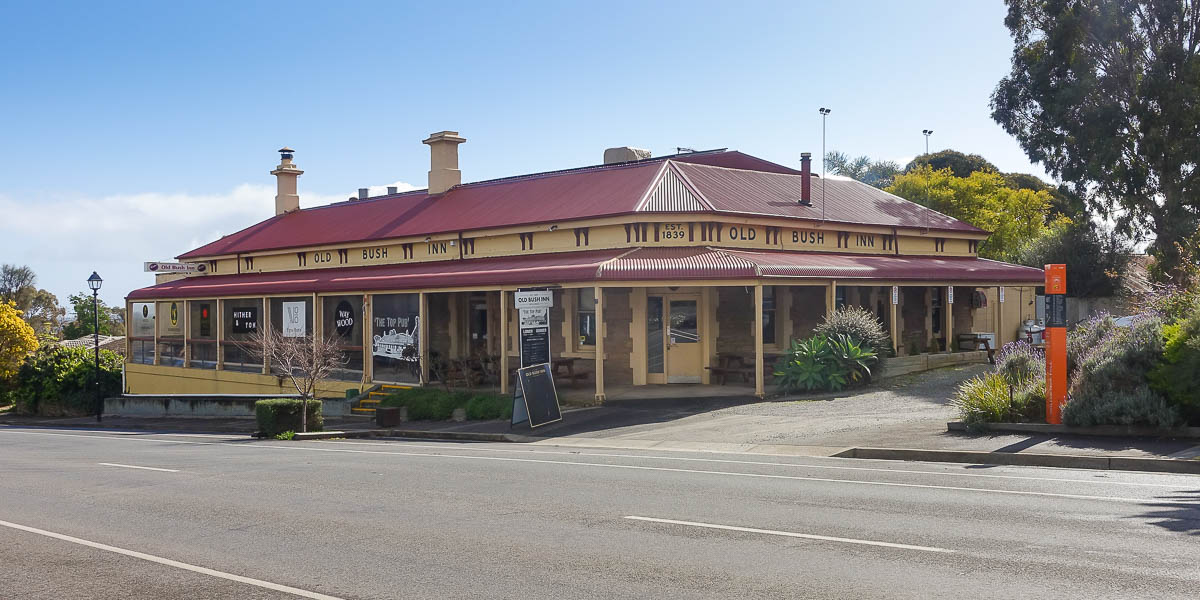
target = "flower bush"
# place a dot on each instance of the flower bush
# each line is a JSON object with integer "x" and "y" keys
{"x": 1111, "y": 385}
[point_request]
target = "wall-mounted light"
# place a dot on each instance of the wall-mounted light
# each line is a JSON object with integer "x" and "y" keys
{"x": 554, "y": 228}
{"x": 428, "y": 238}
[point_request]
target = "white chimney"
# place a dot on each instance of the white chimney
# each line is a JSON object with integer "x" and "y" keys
{"x": 286, "y": 174}
{"x": 443, "y": 161}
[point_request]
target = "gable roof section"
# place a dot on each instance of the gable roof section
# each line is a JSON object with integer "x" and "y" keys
{"x": 672, "y": 193}
{"x": 715, "y": 181}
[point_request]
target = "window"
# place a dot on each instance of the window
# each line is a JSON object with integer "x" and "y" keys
{"x": 202, "y": 334}
{"x": 395, "y": 338}
{"x": 585, "y": 316}
{"x": 839, "y": 297}
{"x": 935, "y": 305}
{"x": 141, "y": 333}
{"x": 243, "y": 318}
{"x": 343, "y": 321}
{"x": 170, "y": 333}
{"x": 768, "y": 317}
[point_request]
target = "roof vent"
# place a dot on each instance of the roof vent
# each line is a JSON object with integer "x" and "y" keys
{"x": 624, "y": 154}
{"x": 363, "y": 193}
{"x": 393, "y": 190}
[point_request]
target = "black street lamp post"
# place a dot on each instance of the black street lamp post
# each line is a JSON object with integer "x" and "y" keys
{"x": 94, "y": 282}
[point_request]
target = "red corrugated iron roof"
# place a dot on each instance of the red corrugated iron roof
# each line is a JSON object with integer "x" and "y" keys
{"x": 892, "y": 268}
{"x": 731, "y": 181}
{"x": 846, "y": 201}
{"x": 531, "y": 270}
{"x": 600, "y": 265}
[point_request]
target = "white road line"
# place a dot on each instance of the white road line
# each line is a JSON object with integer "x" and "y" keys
{"x": 469, "y": 448}
{"x": 807, "y": 536}
{"x": 174, "y": 563}
{"x": 304, "y": 448}
{"x": 137, "y": 467}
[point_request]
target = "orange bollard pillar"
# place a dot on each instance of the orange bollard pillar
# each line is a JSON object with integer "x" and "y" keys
{"x": 1056, "y": 342}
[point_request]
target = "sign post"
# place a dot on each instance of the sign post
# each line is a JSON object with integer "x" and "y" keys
{"x": 534, "y": 397}
{"x": 1056, "y": 342}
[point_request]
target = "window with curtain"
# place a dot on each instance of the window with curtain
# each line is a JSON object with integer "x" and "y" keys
{"x": 768, "y": 318}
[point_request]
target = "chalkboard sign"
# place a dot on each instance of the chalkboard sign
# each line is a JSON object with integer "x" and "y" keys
{"x": 536, "y": 393}
{"x": 1056, "y": 310}
{"x": 535, "y": 336}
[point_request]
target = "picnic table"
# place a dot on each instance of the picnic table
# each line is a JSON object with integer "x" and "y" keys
{"x": 564, "y": 369}
{"x": 977, "y": 340}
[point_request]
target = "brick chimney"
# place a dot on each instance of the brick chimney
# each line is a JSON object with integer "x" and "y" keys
{"x": 286, "y": 174}
{"x": 806, "y": 182}
{"x": 443, "y": 161}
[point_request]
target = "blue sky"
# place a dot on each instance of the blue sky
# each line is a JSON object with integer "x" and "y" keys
{"x": 135, "y": 131}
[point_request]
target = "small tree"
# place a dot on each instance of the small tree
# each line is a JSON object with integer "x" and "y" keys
{"x": 304, "y": 361}
{"x": 17, "y": 340}
{"x": 85, "y": 317}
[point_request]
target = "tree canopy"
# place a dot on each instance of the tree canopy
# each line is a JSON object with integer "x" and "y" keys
{"x": 982, "y": 199}
{"x": 962, "y": 165}
{"x": 1096, "y": 259}
{"x": 877, "y": 173}
{"x": 83, "y": 324}
{"x": 1106, "y": 95}
{"x": 17, "y": 340}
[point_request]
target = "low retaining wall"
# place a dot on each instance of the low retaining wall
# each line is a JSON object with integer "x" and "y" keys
{"x": 903, "y": 365}
{"x": 201, "y": 406}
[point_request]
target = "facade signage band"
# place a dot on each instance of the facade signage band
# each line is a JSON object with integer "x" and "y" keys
{"x": 533, "y": 299}
{"x": 168, "y": 267}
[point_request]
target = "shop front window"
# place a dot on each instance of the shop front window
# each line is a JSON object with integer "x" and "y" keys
{"x": 202, "y": 334}
{"x": 170, "y": 333}
{"x": 141, "y": 333}
{"x": 343, "y": 321}
{"x": 395, "y": 338}
{"x": 242, "y": 319}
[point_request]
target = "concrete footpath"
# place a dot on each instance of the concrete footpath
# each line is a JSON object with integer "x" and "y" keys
{"x": 903, "y": 419}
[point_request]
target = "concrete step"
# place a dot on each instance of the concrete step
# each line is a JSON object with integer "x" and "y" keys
{"x": 362, "y": 411}
{"x": 387, "y": 389}
{"x": 369, "y": 402}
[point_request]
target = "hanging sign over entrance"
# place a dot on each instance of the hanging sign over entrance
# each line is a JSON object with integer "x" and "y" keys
{"x": 533, "y": 298}
{"x": 168, "y": 267}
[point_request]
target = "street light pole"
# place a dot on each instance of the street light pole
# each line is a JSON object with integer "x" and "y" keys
{"x": 94, "y": 282}
{"x": 824, "y": 113}
{"x": 927, "y": 132}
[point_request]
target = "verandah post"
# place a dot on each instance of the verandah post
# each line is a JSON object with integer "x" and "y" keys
{"x": 599, "y": 292}
{"x": 758, "y": 339}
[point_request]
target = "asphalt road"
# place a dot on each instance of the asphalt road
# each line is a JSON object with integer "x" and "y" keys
{"x": 230, "y": 518}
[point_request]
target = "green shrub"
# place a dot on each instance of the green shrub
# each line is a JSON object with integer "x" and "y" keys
{"x": 489, "y": 406}
{"x": 983, "y": 399}
{"x": 859, "y": 324}
{"x": 279, "y": 415}
{"x": 433, "y": 404}
{"x": 1177, "y": 377}
{"x": 825, "y": 363}
{"x": 60, "y": 381}
{"x": 1111, "y": 384}
{"x": 1015, "y": 392}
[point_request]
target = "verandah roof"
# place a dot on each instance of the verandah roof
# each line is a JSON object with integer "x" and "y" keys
{"x": 601, "y": 265}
